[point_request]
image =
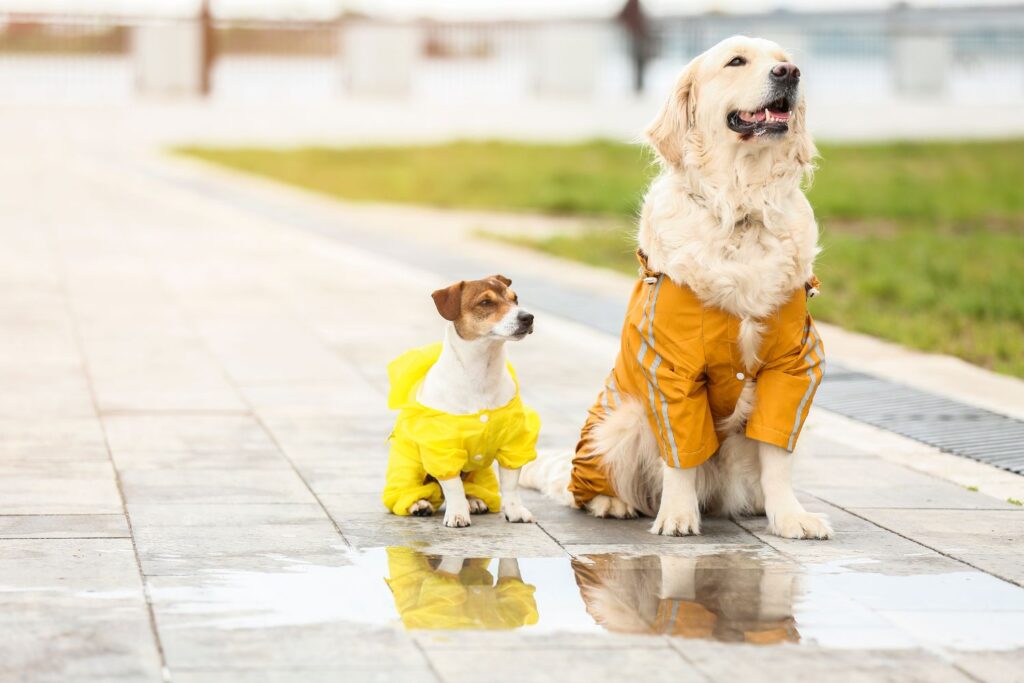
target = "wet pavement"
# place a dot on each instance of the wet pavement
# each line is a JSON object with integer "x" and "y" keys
{"x": 741, "y": 596}
{"x": 192, "y": 453}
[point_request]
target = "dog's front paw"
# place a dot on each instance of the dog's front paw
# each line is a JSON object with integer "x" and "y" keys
{"x": 456, "y": 519}
{"x": 476, "y": 505}
{"x": 517, "y": 512}
{"x": 799, "y": 524}
{"x": 677, "y": 523}
{"x": 421, "y": 508}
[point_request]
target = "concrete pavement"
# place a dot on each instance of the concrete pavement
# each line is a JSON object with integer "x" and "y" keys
{"x": 191, "y": 448}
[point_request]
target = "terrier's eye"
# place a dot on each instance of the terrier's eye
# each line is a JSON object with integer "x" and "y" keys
{"x": 737, "y": 61}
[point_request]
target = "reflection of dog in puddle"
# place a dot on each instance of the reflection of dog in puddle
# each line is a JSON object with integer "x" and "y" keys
{"x": 726, "y": 597}
{"x": 456, "y": 593}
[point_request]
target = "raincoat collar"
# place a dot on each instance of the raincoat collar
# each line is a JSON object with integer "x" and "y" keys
{"x": 406, "y": 373}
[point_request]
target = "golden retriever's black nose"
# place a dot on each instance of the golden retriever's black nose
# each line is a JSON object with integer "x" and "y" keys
{"x": 786, "y": 72}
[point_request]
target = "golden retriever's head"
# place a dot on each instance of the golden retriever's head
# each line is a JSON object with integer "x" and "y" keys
{"x": 486, "y": 308}
{"x": 743, "y": 90}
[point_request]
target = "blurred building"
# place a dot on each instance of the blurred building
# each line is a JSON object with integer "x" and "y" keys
{"x": 450, "y": 51}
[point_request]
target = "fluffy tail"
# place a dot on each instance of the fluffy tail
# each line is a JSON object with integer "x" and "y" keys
{"x": 628, "y": 452}
{"x": 549, "y": 474}
{"x": 630, "y": 456}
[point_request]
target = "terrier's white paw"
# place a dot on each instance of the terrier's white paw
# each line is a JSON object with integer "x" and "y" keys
{"x": 476, "y": 505}
{"x": 421, "y": 508}
{"x": 799, "y": 524}
{"x": 456, "y": 519}
{"x": 677, "y": 523}
{"x": 517, "y": 512}
{"x": 610, "y": 506}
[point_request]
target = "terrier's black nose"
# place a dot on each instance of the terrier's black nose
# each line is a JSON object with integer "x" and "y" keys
{"x": 525, "y": 318}
{"x": 786, "y": 71}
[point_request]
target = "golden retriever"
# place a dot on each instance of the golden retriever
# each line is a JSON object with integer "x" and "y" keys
{"x": 727, "y": 219}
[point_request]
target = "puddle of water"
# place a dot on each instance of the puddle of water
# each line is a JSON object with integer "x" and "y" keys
{"x": 737, "y": 596}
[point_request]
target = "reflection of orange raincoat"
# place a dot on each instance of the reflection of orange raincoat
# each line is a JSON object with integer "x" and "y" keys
{"x": 596, "y": 578}
{"x": 428, "y": 599}
{"x": 428, "y": 445}
{"x": 682, "y": 361}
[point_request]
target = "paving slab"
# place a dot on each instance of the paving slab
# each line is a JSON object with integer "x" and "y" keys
{"x": 787, "y": 662}
{"x": 59, "y": 488}
{"x": 987, "y": 539}
{"x": 511, "y": 666}
{"x": 64, "y": 526}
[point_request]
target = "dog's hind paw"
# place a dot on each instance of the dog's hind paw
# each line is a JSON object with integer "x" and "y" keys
{"x": 476, "y": 505}
{"x": 421, "y": 508}
{"x": 609, "y": 506}
{"x": 800, "y": 525}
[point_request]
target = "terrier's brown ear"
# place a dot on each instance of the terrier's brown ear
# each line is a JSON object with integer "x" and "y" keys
{"x": 503, "y": 280}
{"x": 449, "y": 300}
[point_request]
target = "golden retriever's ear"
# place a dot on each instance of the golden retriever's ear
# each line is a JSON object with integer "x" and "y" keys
{"x": 667, "y": 132}
{"x": 503, "y": 280}
{"x": 805, "y": 150}
{"x": 449, "y": 300}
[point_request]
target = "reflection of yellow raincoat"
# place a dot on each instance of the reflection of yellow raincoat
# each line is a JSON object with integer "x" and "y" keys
{"x": 428, "y": 445}
{"x": 428, "y": 599}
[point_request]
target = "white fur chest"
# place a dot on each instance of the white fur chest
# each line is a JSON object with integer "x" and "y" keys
{"x": 468, "y": 377}
{"x": 746, "y": 257}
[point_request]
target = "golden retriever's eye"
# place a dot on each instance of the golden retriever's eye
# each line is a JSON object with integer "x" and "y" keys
{"x": 485, "y": 303}
{"x": 737, "y": 61}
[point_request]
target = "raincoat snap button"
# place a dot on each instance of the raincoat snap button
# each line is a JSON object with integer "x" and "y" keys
{"x": 484, "y": 417}
{"x": 478, "y": 457}
{"x": 740, "y": 376}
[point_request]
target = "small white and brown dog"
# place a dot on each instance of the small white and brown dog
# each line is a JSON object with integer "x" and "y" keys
{"x": 461, "y": 411}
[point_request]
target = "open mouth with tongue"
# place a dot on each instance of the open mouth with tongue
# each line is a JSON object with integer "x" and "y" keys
{"x": 768, "y": 119}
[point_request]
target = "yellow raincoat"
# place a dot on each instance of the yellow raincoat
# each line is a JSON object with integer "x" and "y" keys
{"x": 429, "y": 599}
{"x": 428, "y": 445}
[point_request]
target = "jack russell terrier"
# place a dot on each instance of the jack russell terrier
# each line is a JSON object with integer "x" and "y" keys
{"x": 460, "y": 411}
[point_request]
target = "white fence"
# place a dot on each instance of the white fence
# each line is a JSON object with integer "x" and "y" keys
{"x": 75, "y": 59}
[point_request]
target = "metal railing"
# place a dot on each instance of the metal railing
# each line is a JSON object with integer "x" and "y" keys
{"x": 76, "y": 58}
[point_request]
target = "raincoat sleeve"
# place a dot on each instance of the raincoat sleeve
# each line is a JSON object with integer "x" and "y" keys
{"x": 520, "y": 444}
{"x": 786, "y": 388}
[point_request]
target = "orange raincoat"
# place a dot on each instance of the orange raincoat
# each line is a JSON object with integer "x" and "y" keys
{"x": 681, "y": 360}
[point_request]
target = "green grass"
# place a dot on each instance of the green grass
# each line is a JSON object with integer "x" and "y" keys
{"x": 591, "y": 178}
{"x": 923, "y": 243}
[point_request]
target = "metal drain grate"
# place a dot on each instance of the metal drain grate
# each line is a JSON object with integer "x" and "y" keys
{"x": 938, "y": 421}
